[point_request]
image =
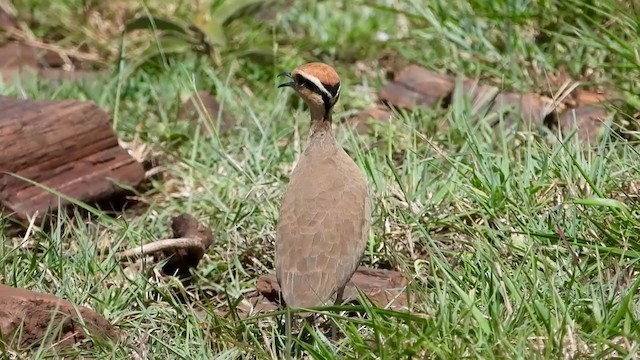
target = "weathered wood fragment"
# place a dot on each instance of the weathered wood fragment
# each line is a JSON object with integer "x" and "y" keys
{"x": 27, "y": 318}
{"x": 361, "y": 121}
{"x": 414, "y": 85}
{"x": 68, "y": 146}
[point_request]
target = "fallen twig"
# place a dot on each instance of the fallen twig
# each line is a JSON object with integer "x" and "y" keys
{"x": 183, "y": 252}
{"x": 160, "y": 246}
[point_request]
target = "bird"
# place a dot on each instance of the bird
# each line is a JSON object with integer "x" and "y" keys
{"x": 325, "y": 213}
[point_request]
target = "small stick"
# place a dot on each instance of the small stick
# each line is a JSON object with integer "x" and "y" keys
{"x": 158, "y": 246}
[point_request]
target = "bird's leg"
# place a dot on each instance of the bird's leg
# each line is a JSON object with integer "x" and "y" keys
{"x": 288, "y": 333}
{"x": 309, "y": 320}
{"x": 334, "y": 326}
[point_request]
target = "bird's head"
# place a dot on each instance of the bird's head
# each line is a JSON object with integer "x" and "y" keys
{"x": 318, "y": 85}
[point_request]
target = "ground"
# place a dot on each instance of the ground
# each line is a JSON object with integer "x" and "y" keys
{"x": 515, "y": 246}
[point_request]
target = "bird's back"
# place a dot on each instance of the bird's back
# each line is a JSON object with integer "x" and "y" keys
{"x": 323, "y": 226}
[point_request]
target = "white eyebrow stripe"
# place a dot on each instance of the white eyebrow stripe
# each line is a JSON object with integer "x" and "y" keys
{"x": 316, "y": 82}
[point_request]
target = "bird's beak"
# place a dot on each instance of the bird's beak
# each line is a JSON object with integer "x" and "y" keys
{"x": 287, "y": 74}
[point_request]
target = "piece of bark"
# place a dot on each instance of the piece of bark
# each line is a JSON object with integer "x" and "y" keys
{"x": 201, "y": 107}
{"x": 528, "y": 107}
{"x": 415, "y": 86}
{"x": 434, "y": 86}
{"x": 385, "y": 288}
{"x": 396, "y": 95}
{"x": 27, "y": 316}
{"x": 68, "y": 146}
{"x": 587, "y": 120}
{"x": 361, "y": 121}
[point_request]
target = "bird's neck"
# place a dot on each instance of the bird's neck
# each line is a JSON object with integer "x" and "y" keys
{"x": 320, "y": 124}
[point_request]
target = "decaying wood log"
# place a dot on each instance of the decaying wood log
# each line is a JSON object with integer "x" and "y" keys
{"x": 68, "y": 146}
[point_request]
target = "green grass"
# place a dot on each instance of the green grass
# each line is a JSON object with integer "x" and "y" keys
{"x": 476, "y": 230}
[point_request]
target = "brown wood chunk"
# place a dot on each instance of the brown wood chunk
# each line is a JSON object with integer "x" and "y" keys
{"x": 30, "y": 317}
{"x": 203, "y": 107}
{"x": 396, "y": 95}
{"x": 361, "y": 121}
{"x": 587, "y": 120}
{"x": 429, "y": 83}
{"x": 517, "y": 107}
{"x": 68, "y": 146}
{"x": 384, "y": 288}
{"x": 415, "y": 86}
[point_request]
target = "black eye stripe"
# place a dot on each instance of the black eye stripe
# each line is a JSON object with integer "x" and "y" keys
{"x": 304, "y": 82}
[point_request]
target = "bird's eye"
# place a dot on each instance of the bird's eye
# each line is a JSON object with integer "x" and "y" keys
{"x": 307, "y": 84}
{"x": 304, "y": 82}
{"x": 300, "y": 80}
